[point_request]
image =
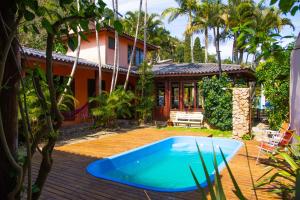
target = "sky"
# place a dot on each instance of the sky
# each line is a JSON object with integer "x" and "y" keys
{"x": 177, "y": 27}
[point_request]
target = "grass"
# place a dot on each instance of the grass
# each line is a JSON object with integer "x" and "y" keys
{"x": 214, "y": 132}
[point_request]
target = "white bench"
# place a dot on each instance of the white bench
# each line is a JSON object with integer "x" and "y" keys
{"x": 188, "y": 119}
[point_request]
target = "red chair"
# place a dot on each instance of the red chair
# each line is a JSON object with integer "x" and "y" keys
{"x": 278, "y": 140}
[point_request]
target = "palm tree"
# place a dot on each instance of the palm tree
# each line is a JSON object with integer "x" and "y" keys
{"x": 134, "y": 46}
{"x": 202, "y": 22}
{"x": 238, "y": 13}
{"x": 145, "y": 32}
{"x": 262, "y": 33}
{"x": 218, "y": 22}
{"x": 77, "y": 52}
{"x": 116, "y": 53}
{"x": 185, "y": 8}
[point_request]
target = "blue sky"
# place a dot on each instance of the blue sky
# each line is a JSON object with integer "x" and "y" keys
{"x": 177, "y": 27}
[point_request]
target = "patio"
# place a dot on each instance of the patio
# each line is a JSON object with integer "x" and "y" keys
{"x": 69, "y": 180}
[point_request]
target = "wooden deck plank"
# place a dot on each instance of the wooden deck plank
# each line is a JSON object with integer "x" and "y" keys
{"x": 69, "y": 179}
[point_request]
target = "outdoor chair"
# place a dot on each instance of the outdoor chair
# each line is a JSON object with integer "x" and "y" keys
{"x": 268, "y": 134}
{"x": 278, "y": 140}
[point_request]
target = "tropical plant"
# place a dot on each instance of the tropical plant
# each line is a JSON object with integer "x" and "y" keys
{"x": 134, "y": 45}
{"x": 283, "y": 172}
{"x": 185, "y": 8}
{"x": 198, "y": 51}
{"x": 156, "y": 34}
{"x": 274, "y": 74}
{"x": 179, "y": 53}
{"x": 56, "y": 20}
{"x": 187, "y": 49}
{"x": 218, "y": 111}
{"x": 111, "y": 106}
{"x": 288, "y": 6}
{"x": 145, "y": 91}
{"x": 259, "y": 32}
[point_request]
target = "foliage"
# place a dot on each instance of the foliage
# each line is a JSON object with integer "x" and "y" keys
{"x": 216, "y": 191}
{"x": 212, "y": 58}
{"x": 227, "y": 61}
{"x": 187, "y": 49}
{"x": 56, "y": 19}
{"x": 198, "y": 51}
{"x": 179, "y": 53}
{"x": 258, "y": 32}
{"x": 247, "y": 137}
{"x": 35, "y": 110}
{"x": 156, "y": 33}
{"x": 274, "y": 75}
{"x": 213, "y": 132}
{"x": 145, "y": 91}
{"x": 111, "y": 106}
{"x": 283, "y": 172}
{"x": 218, "y": 101}
{"x": 287, "y": 6}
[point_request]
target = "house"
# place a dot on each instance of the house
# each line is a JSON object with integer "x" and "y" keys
{"x": 176, "y": 84}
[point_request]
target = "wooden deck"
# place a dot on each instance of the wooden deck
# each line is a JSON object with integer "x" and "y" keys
{"x": 69, "y": 179}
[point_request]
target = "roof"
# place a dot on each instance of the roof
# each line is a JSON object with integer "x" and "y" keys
{"x": 165, "y": 69}
{"x": 70, "y": 59}
{"x": 196, "y": 69}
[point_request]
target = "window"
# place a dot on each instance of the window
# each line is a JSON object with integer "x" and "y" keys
{"x": 200, "y": 100}
{"x": 91, "y": 88}
{"x": 129, "y": 54}
{"x": 111, "y": 43}
{"x": 138, "y": 57}
{"x": 160, "y": 98}
{"x": 188, "y": 96}
{"x": 103, "y": 85}
{"x": 175, "y": 95}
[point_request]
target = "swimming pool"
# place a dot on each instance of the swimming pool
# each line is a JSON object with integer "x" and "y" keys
{"x": 164, "y": 165}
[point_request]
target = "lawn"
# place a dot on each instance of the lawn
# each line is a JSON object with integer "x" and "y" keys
{"x": 214, "y": 132}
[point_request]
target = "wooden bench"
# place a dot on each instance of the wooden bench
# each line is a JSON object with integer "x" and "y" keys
{"x": 188, "y": 119}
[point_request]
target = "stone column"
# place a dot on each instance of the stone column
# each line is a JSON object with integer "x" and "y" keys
{"x": 240, "y": 112}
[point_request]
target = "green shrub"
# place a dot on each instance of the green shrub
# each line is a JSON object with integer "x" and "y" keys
{"x": 274, "y": 75}
{"x": 218, "y": 101}
{"x": 145, "y": 91}
{"x": 111, "y": 106}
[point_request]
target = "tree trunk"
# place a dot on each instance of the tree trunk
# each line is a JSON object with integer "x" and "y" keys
{"x": 241, "y": 56}
{"x": 9, "y": 87}
{"x": 115, "y": 52}
{"x": 247, "y": 57}
{"x": 192, "y": 42}
{"x": 117, "y": 49}
{"x": 206, "y": 44}
{"x": 99, "y": 61}
{"x": 217, "y": 41}
{"x": 45, "y": 168}
{"x": 134, "y": 46}
{"x": 9, "y": 112}
{"x": 145, "y": 32}
{"x": 71, "y": 77}
{"x": 99, "y": 58}
{"x": 235, "y": 49}
{"x": 74, "y": 64}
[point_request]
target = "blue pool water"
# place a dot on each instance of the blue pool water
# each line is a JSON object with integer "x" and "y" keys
{"x": 164, "y": 165}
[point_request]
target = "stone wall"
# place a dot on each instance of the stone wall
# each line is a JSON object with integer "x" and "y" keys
{"x": 240, "y": 112}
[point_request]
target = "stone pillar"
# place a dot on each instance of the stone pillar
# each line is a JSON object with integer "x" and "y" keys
{"x": 240, "y": 112}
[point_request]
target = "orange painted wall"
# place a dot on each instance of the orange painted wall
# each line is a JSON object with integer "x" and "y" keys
{"x": 123, "y": 50}
{"x": 81, "y": 77}
{"x": 88, "y": 49}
